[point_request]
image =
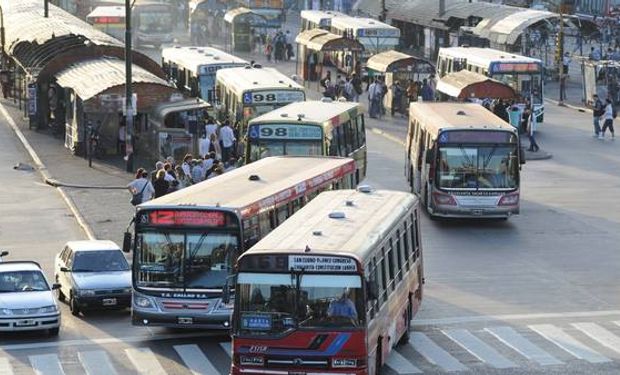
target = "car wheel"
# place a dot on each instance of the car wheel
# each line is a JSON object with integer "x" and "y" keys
{"x": 53, "y": 332}
{"x": 61, "y": 295}
{"x": 73, "y": 306}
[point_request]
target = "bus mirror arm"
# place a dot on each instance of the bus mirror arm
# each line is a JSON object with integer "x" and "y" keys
{"x": 230, "y": 279}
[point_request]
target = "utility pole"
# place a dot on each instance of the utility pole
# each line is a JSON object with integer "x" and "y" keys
{"x": 383, "y": 15}
{"x": 46, "y": 8}
{"x": 128, "y": 91}
{"x": 560, "y": 56}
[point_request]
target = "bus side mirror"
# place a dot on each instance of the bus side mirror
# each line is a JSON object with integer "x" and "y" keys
{"x": 127, "y": 242}
{"x": 230, "y": 280}
{"x": 373, "y": 289}
{"x": 521, "y": 155}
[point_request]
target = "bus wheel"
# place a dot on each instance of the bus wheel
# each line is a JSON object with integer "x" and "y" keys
{"x": 427, "y": 202}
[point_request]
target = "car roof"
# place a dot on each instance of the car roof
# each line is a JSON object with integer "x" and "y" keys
{"x": 19, "y": 265}
{"x": 92, "y": 245}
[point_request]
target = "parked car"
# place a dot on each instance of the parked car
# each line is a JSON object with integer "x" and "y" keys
{"x": 27, "y": 302}
{"x": 94, "y": 275}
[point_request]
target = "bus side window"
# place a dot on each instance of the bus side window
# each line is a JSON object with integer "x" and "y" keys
{"x": 264, "y": 224}
{"x": 296, "y": 205}
{"x": 349, "y": 141}
{"x": 414, "y": 237}
{"x": 361, "y": 130}
{"x": 421, "y": 146}
{"x": 390, "y": 264}
{"x": 382, "y": 297}
{"x": 406, "y": 244}
{"x": 250, "y": 232}
{"x": 399, "y": 257}
{"x": 372, "y": 277}
{"x": 282, "y": 214}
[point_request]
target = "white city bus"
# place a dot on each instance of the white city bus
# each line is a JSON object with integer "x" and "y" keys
{"x": 193, "y": 69}
{"x": 359, "y": 249}
{"x": 244, "y": 93}
{"x": 374, "y": 35}
{"x": 187, "y": 242}
{"x": 463, "y": 161}
{"x": 310, "y": 128}
{"x": 523, "y": 74}
{"x": 318, "y": 19}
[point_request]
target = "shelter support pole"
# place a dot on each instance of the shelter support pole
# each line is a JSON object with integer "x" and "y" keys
{"x": 560, "y": 56}
{"x": 46, "y": 8}
{"x": 128, "y": 92}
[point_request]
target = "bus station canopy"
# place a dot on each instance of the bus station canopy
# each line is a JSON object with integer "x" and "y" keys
{"x": 245, "y": 14}
{"x": 465, "y": 84}
{"x": 394, "y": 61}
{"x": 323, "y": 41}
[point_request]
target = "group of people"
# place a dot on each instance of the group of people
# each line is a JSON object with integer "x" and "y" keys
{"x": 605, "y": 112}
{"x": 521, "y": 117}
{"x": 349, "y": 88}
{"x": 401, "y": 96}
{"x": 217, "y": 155}
{"x": 276, "y": 46}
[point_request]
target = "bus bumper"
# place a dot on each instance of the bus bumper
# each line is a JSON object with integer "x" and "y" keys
{"x": 214, "y": 321}
{"x": 474, "y": 212}
{"x": 236, "y": 370}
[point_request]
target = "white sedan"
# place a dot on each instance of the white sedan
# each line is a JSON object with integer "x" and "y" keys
{"x": 26, "y": 299}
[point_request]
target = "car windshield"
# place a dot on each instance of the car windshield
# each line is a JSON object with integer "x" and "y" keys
{"x": 263, "y": 149}
{"x": 478, "y": 167}
{"x": 273, "y": 303}
{"x": 185, "y": 260}
{"x": 22, "y": 281}
{"x": 99, "y": 261}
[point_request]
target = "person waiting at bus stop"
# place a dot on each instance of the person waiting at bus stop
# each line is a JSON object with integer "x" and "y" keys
{"x": 528, "y": 124}
{"x": 342, "y": 307}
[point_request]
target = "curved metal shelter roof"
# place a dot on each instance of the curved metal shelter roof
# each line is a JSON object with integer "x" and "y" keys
{"x": 391, "y": 61}
{"x": 159, "y": 113}
{"x": 91, "y": 77}
{"x": 33, "y": 40}
{"x": 255, "y": 18}
{"x": 465, "y": 84}
{"x": 323, "y": 41}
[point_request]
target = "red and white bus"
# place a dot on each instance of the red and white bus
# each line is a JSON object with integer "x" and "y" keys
{"x": 333, "y": 289}
{"x": 186, "y": 243}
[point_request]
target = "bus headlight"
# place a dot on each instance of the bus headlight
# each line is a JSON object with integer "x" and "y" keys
{"x": 344, "y": 363}
{"x": 143, "y": 302}
{"x": 251, "y": 360}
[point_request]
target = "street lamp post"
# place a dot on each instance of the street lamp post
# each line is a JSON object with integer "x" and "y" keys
{"x": 128, "y": 91}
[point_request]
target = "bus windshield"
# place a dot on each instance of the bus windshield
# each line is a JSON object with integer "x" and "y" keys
{"x": 273, "y": 303}
{"x": 493, "y": 167}
{"x": 153, "y": 21}
{"x": 265, "y": 148}
{"x": 525, "y": 85}
{"x": 184, "y": 260}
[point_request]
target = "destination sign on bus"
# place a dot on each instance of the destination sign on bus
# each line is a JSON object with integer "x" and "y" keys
{"x": 309, "y": 263}
{"x": 285, "y": 131}
{"x": 187, "y": 218}
{"x": 268, "y": 97}
{"x": 361, "y": 33}
{"x": 515, "y": 68}
{"x": 213, "y": 68}
{"x": 476, "y": 136}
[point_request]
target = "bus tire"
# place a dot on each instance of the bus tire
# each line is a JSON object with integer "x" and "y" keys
{"x": 427, "y": 203}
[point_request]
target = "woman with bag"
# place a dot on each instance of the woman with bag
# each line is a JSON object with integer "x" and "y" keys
{"x": 141, "y": 188}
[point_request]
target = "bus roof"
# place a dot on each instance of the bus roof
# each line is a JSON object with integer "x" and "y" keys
{"x": 312, "y": 111}
{"x": 357, "y": 23}
{"x": 484, "y": 56}
{"x": 277, "y": 177}
{"x": 441, "y": 116}
{"x": 317, "y": 16}
{"x": 107, "y": 11}
{"x": 192, "y": 58}
{"x": 356, "y": 234}
{"x": 252, "y": 78}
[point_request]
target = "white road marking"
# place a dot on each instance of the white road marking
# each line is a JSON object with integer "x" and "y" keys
{"x": 96, "y": 362}
{"x": 401, "y": 364}
{"x": 46, "y": 364}
{"x": 600, "y": 335}
{"x": 485, "y": 318}
{"x": 521, "y": 345}
{"x": 103, "y": 341}
{"x": 478, "y": 348}
{"x": 196, "y": 361}
{"x": 433, "y": 353}
{"x": 144, "y": 361}
{"x": 5, "y": 366}
{"x": 226, "y": 347}
{"x": 568, "y": 343}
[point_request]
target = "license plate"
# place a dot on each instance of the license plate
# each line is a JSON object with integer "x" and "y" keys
{"x": 477, "y": 212}
{"x": 183, "y": 320}
{"x": 109, "y": 302}
{"x": 25, "y": 323}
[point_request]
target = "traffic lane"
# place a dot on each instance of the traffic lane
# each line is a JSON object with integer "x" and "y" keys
{"x": 386, "y": 163}
{"x": 560, "y": 254}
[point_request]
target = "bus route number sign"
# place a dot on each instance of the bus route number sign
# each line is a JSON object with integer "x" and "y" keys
{"x": 267, "y": 97}
{"x": 285, "y": 131}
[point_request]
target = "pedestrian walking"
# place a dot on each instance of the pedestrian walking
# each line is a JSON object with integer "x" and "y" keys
{"x": 203, "y": 145}
{"x": 428, "y": 95}
{"x": 141, "y": 188}
{"x": 608, "y": 117}
{"x": 597, "y": 111}
{"x": 210, "y": 128}
{"x": 530, "y": 125}
{"x": 357, "y": 86}
{"x": 160, "y": 185}
{"x": 412, "y": 91}
{"x": 397, "y": 97}
{"x": 374, "y": 96}
{"x": 227, "y": 139}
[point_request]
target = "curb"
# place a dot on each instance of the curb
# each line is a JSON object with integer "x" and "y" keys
{"x": 576, "y": 108}
{"x": 45, "y": 174}
{"x": 387, "y": 136}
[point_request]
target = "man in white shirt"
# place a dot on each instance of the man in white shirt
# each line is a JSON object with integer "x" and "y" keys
{"x": 227, "y": 137}
{"x": 210, "y": 128}
{"x": 187, "y": 167}
{"x": 203, "y": 146}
